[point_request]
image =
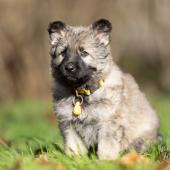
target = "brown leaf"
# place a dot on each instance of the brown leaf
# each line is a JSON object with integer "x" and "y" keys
{"x": 44, "y": 161}
{"x": 164, "y": 165}
{"x": 133, "y": 158}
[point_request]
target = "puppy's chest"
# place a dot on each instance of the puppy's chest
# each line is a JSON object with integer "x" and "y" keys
{"x": 87, "y": 129}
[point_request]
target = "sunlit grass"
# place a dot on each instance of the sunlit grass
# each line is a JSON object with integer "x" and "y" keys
{"x": 30, "y": 139}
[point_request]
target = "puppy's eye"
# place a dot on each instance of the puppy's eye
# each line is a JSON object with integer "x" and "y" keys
{"x": 63, "y": 52}
{"x": 83, "y": 52}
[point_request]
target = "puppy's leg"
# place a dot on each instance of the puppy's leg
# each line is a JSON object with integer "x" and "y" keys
{"x": 109, "y": 145}
{"x": 73, "y": 143}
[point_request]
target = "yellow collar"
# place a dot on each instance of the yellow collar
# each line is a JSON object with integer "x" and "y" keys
{"x": 78, "y": 100}
{"x": 88, "y": 92}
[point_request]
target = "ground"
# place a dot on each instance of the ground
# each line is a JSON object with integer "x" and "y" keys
{"x": 30, "y": 139}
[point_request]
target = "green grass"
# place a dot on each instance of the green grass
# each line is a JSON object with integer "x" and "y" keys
{"x": 30, "y": 139}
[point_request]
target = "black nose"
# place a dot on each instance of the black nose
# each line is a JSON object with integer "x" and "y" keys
{"x": 70, "y": 67}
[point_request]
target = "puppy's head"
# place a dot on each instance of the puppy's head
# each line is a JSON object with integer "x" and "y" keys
{"x": 79, "y": 53}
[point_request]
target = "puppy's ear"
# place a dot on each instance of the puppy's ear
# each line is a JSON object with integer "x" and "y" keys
{"x": 102, "y": 29}
{"x": 56, "y": 31}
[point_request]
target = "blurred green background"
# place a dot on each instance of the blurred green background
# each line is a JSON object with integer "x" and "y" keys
{"x": 140, "y": 45}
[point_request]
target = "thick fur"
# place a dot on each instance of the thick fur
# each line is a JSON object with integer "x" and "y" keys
{"x": 115, "y": 117}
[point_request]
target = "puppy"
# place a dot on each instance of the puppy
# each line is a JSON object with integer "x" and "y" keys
{"x": 96, "y": 104}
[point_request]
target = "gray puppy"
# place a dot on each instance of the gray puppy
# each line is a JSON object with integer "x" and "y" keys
{"x": 95, "y": 102}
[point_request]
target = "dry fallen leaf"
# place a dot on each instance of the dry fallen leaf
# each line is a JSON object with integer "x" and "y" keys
{"x": 133, "y": 158}
{"x": 164, "y": 165}
{"x": 44, "y": 161}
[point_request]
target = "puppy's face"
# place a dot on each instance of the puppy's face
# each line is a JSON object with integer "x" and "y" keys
{"x": 78, "y": 53}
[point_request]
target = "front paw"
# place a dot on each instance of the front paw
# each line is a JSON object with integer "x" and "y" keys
{"x": 108, "y": 150}
{"x": 76, "y": 151}
{"x": 108, "y": 155}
